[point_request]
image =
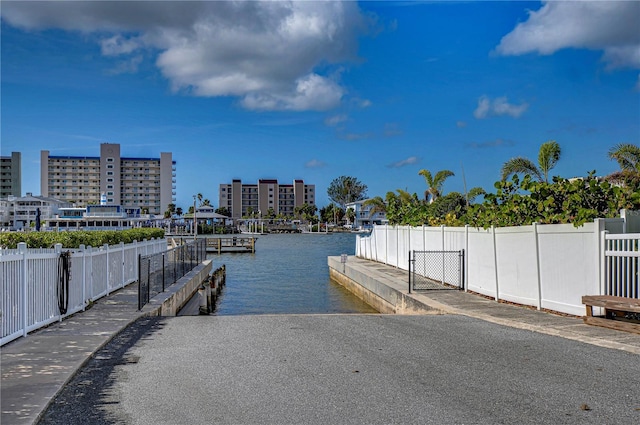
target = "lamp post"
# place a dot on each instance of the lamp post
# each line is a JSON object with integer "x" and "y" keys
{"x": 195, "y": 222}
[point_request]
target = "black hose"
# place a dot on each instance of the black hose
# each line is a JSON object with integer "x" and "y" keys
{"x": 64, "y": 275}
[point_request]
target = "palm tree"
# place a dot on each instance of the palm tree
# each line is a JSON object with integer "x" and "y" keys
{"x": 627, "y": 155}
{"x": 548, "y": 157}
{"x": 378, "y": 205}
{"x": 434, "y": 184}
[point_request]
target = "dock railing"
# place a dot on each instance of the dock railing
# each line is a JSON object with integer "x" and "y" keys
{"x": 43, "y": 286}
{"x": 158, "y": 271}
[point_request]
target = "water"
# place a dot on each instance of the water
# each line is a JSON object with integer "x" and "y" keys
{"x": 288, "y": 274}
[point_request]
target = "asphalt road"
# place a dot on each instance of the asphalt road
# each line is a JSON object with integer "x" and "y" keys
{"x": 348, "y": 369}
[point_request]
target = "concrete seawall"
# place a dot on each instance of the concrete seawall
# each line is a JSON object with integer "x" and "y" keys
{"x": 386, "y": 293}
{"x": 168, "y": 303}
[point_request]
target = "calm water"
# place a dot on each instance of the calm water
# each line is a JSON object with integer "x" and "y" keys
{"x": 287, "y": 274}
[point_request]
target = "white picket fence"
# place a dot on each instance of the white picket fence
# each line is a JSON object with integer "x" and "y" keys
{"x": 546, "y": 266}
{"x": 30, "y": 281}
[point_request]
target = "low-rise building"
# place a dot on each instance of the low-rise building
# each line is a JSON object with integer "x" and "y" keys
{"x": 363, "y": 219}
{"x": 21, "y": 213}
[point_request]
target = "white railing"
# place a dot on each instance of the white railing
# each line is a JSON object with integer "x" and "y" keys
{"x": 30, "y": 281}
{"x": 546, "y": 266}
{"x": 622, "y": 265}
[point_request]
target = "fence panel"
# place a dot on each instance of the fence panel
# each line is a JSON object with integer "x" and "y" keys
{"x": 31, "y": 282}
{"x": 517, "y": 264}
{"x": 622, "y": 259}
{"x": 11, "y": 272}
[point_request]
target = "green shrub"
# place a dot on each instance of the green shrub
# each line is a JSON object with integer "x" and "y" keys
{"x": 76, "y": 238}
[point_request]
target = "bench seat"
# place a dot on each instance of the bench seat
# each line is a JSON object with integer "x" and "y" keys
{"x": 620, "y": 313}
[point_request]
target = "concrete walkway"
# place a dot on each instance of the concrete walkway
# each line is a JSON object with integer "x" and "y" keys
{"x": 389, "y": 287}
{"x": 35, "y": 368}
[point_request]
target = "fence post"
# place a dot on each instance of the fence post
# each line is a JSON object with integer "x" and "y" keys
{"x": 443, "y": 259}
{"x": 106, "y": 248}
{"x": 22, "y": 250}
{"x": 57, "y": 248}
{"x": 601, "y": 260}
{"x": 538, "y": 268}
{"x": 84, "y": 278}
{"x": 495, "y": 262}
{"x": 465, "y": 263}
{"x": 410, "y": 271}
{"x": 123, "y": 278}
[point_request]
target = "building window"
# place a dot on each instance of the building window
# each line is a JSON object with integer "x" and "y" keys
{"x": 109, "y": 186}
{"x": 109, "y": 180}
{"x": 109, "y": 173}
{"x": 109, "y": 159}
{"x": 110, "y": 166}
{"x": 110, "y": 193}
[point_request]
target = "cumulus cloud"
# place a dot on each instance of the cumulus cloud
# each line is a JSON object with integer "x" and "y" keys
{"x": 461, "y": 124}
{"x": 272, "y": 55}
{"x": 611, "y": 26}
{"x": 315, "y": 163}
{"x": 408, "y": 161}
{"x": 334, "y": 120}
{"x": 498, "y": 106}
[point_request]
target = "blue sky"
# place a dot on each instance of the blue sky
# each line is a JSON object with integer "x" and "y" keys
{"x": 317, "y": 90}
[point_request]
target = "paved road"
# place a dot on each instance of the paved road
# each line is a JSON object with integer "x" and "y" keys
{"x": 348, "y": 369}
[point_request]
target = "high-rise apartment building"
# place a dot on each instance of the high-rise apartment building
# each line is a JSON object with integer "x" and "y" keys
{"x": 266, "y": 194}
{"x": 147, "y": 183}
{"x": 11, "y": 175}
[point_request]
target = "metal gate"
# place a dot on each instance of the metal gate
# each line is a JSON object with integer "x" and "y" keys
{"x": 436, "y": 270}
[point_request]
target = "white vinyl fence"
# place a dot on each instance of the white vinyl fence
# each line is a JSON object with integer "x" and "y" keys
{"x": 35, "y": 293}
{"x": 546, "y": 266}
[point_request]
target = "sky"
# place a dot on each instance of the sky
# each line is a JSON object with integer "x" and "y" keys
{"x": 317, "y": 90}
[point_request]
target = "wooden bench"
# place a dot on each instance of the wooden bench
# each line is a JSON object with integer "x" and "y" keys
{"x": 620, "y": 313}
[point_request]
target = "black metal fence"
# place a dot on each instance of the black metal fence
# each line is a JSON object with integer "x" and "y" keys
{"x": 436, "y": 270}
{"x": 158, "y": 271}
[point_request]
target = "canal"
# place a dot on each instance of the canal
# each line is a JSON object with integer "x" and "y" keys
{"x": 288, "y": 274}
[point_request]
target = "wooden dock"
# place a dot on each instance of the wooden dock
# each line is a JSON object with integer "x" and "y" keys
{"x": 239, "y": 244}
{"x": 219, "y": 244}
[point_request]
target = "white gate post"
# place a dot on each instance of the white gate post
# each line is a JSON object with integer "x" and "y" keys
{"x": 538, "y": 268}
{"x": 106, "y": 248}
{"x": 122, "y": 276}
{"x": 495, "y": 262}
{"x": 22, "y": 250}
{"x": 442, "y": 248}
{"x": 84, "y": 277}
{"x": 466, "y": 258}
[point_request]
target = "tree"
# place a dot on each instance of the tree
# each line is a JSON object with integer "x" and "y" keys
{"x": 434, "y": 184}
{"x": 179, "y": 211}
{"x": 171, "y": 209}
{"x": 223, "y": 211}
{"x": 344, "y": 189}
{"x": 350, "y": 214}
{"x": 627, "y": 155}
{"x": 377, "y": 204}
{"x": 199, "y": 196}
{"x": 306, "y": 212}
{"x": 548, "y": 157}
{"x": 206, "y": 202}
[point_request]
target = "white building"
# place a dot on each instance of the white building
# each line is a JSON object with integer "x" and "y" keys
{"x": 19, "y": 213}
{"x": 363, "y": 219}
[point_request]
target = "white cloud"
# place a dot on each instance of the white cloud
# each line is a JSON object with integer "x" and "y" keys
{"x": 335, "y": 120}
{"x": 266, "y": 53}
{"x": 461, "y": 124}
{"x": 315, "y": 163}
{"x": 611, "y": 26}
{"x": 409, "y": 161}
{"x": 499, "y": 106}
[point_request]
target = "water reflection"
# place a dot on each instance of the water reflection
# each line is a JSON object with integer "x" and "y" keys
{"x": 288, "y": 274}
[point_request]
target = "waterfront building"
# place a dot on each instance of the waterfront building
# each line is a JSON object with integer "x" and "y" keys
{"x": 146, "y": 183}
{"x": 363, "y": 219}
{"x": 19, "y": 213}
{"x": 97, "y": 217}
{"x": 239, "y": 198}
{"x": 11, "y": 175}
